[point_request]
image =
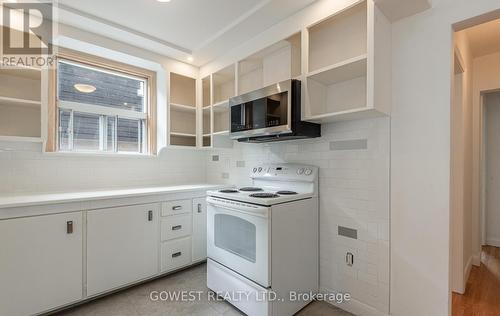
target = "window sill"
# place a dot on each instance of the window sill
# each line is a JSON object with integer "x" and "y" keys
{"x": 98, "y": 154}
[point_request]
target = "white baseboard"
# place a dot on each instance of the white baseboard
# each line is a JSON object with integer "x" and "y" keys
{"x": 476, "y": 259}
{"x": 467, "y": 269}
{"x": 355, "y": 307}
{"x": 492, "y": 241}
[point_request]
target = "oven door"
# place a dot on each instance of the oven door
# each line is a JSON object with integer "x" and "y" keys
{"x": 238, "y": 238}
{"x": 262, "y": 112}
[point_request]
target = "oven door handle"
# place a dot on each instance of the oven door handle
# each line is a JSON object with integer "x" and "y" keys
{"x": 233, "y": 206}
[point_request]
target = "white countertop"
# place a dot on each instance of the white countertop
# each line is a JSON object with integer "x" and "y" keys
{"x": 10, "y": 201}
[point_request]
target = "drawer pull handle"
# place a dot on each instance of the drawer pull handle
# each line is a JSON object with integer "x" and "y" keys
{"x": 177, "y": 207}
{"x": 199, "y": 207}
{"x": 69, "y": 227}
{"x": 177, "y": 254}
{"x": 150, "y": 216}
{"x": 176, "y": 227}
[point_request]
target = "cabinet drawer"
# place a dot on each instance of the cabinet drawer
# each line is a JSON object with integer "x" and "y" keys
{"x": 176, "y": 207}
{"x": 175, "y": 254}
{"x": 176, "y": 226}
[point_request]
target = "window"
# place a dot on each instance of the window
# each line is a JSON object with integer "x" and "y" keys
{"x": 103, "y": 109}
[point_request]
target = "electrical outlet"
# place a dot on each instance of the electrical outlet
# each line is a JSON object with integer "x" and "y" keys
{"x": 215, "y": 158}
{"x": 349, "y": 259}
{"x": 225, "y": 175}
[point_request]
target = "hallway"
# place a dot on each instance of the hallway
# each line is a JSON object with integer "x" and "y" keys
{"x": 482, "y": 296}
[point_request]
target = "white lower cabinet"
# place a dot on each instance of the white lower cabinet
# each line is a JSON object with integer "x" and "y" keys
{"x": 40, "y": 263}
{"x": 199, "y": 229}
{"x": 50, "y": 261}
{"x": 122, "y": 246}
{"x": 175, "y": 254}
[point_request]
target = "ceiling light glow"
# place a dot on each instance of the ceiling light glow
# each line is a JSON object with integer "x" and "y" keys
{"x": 84, "y": 88}
{"x": 190, "y": 58}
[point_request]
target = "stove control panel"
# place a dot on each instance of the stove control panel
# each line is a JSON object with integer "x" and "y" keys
{"x": 285, "y": 171}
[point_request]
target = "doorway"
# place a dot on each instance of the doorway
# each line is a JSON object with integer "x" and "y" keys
{"x": 491, "y": 161}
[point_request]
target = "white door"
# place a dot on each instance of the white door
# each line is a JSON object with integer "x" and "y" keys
{"x": 199, "y": 237}
{"x": 40, "y": 263}
{"x": 238, "y": 238}
{"x": 122, "y": 246}
{"x": 492, "y": 102}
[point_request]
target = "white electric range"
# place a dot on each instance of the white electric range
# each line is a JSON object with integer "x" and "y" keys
{"x": 263, "y": 240}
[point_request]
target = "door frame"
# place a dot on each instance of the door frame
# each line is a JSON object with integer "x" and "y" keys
{"x": 482, "y": 165}
{"x": 457, "y": 278}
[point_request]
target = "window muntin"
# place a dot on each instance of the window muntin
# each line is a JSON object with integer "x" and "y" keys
{"x": 109, "y": 114}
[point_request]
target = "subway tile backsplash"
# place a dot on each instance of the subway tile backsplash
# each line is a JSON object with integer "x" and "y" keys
{"x": 353, "y": 158}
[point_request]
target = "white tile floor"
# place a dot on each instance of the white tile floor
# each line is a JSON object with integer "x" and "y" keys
{"x": 136, "y": 302}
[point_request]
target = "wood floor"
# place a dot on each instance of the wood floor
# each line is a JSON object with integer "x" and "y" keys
{"x": 482, "y": 295}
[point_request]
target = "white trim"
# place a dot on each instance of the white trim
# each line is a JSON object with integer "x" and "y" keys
{"x": 354, "y": 306}
{"x": 101, "y": 110}
{"x": 161, "y": 78}
{"x": 476, "y": 259}
{"x": 493, "y": 241}
{"x": 468, "y": 268}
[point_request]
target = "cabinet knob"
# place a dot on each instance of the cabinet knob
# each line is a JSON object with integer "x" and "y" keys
{"x": 69, "y": 227}
{"x": 199, "y": 208}
{"x": 150, "y": 216}
{"x": 177, "y": 207}
{"x": 177, "y": 254}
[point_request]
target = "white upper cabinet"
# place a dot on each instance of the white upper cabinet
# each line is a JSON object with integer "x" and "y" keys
{"x": 41, "y": 263}
{"x": 183, "y": 109}
{"x": 348, "y": 73}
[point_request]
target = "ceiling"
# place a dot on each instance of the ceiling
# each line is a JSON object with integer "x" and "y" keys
{"x": 484, "y": 38}
{"x": 201, "y": 28}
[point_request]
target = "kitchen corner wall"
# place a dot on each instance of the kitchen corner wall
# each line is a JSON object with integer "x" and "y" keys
{"x": 354, "y": 192}
{"x": 27, "y": 170}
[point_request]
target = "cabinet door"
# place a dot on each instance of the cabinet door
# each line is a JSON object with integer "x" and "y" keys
{"x": 41, "y": 263}
{"x": 199, "y": 236}
{"x": 122, "y": 246}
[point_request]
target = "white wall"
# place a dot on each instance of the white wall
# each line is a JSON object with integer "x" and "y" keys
{"x": 420, "y": 156}
{"x": 30, "y": 171}
{"x": 24, "y": 169}
{"x": 354, "y": 192}
{"x": 492, "y": 161}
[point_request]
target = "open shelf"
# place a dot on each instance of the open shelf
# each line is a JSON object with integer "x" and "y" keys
{"x": 207, "y": 141}
{"x": 182, "y": 107}
{"x": 182, "y": 134}
{"x": 182, "y": 110}
{"x": 221, "y": 104}
{"x": 346, "y": 70}
{"x": 224, "y": 84}
{"x": 341, "y": 37}
{"x": 21, "y": 139}
{"x": 182, "y": 140}
{"x": 182, "y": 90}
{"x": 221, "y": 119}
{"x": 273, "y": 64}
{"x": 206, "y": 92}
{"x": 182, "y": 121}
{"x": 338, "y": 65}
{"x": 20, "y": 105}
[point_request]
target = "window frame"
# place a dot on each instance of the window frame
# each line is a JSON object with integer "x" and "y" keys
{"x": 102, "y": 64}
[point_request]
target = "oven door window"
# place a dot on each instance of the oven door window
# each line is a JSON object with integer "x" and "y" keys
{"x": 235, "y": 235}
{"x": 266, "y": 112}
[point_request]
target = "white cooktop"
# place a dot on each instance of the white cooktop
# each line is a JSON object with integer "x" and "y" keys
{"x": 246, "y": 196}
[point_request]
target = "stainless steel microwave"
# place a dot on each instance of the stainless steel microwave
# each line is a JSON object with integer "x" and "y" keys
{"x": 270, "y": 114}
